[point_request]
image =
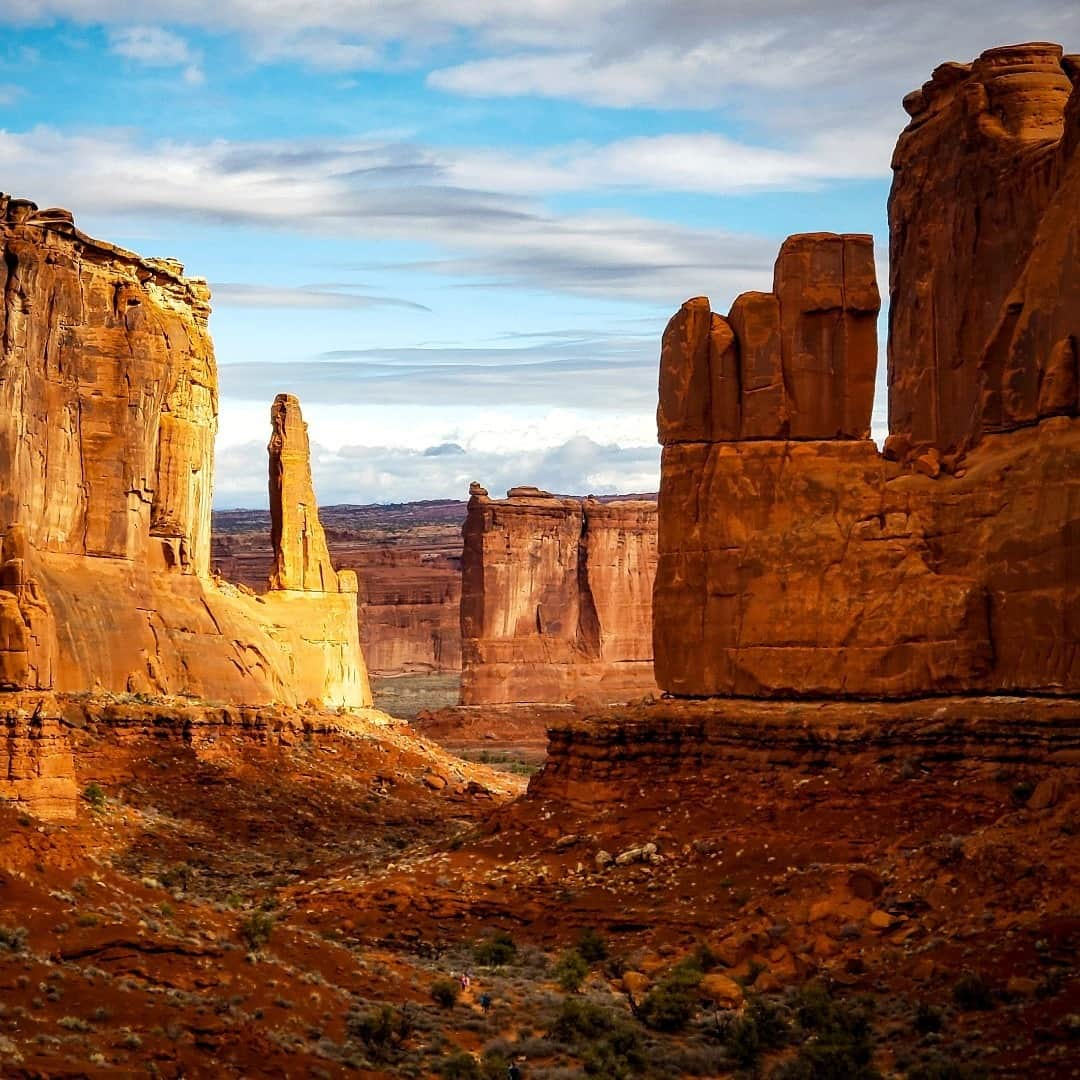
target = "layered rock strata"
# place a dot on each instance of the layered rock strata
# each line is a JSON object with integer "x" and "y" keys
{"x": 556, "y": 598}
{"x": 795, "y": 559}
{"x": 108, "y": 388}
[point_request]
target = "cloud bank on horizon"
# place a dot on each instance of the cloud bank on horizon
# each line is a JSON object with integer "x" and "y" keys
{"x": 456, "y": 229}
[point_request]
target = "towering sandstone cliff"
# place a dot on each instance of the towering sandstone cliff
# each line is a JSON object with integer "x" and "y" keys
{"x": 107, "y": 425}
{"x": 795, "y": 559}
{"x": 556, "y": 598}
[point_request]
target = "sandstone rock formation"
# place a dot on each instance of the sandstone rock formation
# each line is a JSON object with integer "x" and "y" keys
{"x": 408, "y": 563}
{"x": 795, "y": 560}
{"x": 556, "y": 598}
{"x": 795, "y": 363}
{"x": 984, "y": 233}
{"x": 108, "y": 411}
{"x": 301, "y": 560}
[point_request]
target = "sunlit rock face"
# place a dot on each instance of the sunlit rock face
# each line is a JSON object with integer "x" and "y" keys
{"x": 107, "y": 425}
{"x": 797, "y": 560}
{"x": 556, "y": 598}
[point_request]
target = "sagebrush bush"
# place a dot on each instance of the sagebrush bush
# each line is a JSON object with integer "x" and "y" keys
{"x": 591, "y": 946}
{"x": 445, "y": 992}
{"x": 496, "y": 950}
{"x": 94, "y": 795}
{"x": 256, "y": 929}
{"x": 972, "y": 993}
{"x": 460, "y": 1066}
{"x": 571, "y": 970}
{"x": 13, "y": 938}
{"x": 381, "y": 1030}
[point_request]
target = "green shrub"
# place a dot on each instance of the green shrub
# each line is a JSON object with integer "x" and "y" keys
{"x": 577, "y": 1020}
{"x": 494, "y": 1066}
{"x": 672, "y": 1003}
{"x": 971, "y": 992}
{"x": 381, "y": 1030}
{"x": 761, "y": 1026}
{"x": 94, "y": 795}
{"x": 496, "y": 950}
{"x": 929, "y": 1019}
{"x": 13, "y": 938}
{"x": 592, "y": 947}
{"x": 610, "y": 1046}
{"x": 460, "y": 1066}
{"x": 256, "y": 929}
{"x": 571, "y": 970}
{"x": 445, "y": 992}
{"x": 838, "y": 1043}
{"x": 177, "y": 877}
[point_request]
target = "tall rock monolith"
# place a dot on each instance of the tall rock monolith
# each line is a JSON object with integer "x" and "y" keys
{"x": 301, "y": 558}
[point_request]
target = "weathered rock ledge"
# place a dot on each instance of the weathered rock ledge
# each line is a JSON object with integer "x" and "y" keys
{"x": 603, "y": 755}
{"x": 38, "y": 763}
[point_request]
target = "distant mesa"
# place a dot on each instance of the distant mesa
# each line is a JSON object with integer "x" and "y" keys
{"x": 556, "y": 598}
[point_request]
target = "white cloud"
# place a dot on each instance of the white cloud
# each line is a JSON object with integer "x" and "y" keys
{"x": 377, "y": 189}
{"x": 368, "y": 474}
{"x": 766, "y": 57}
{"x": 240, "y": 294}
{"x": 154, "y": 47}
{"x": 325, "y": 52}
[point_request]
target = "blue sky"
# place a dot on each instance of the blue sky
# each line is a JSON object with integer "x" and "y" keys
{"x": 457, "y": 230}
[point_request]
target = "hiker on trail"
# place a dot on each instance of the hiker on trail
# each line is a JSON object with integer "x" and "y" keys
{"x": 485, "y": 1003}
{"x": 465, "y": 980}
{"x": 513, "y": 1073}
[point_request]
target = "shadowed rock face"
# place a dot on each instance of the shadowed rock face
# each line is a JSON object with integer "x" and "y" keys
{"x": 795, "y": 363}
{"x": 108, "y": 412}
{"x": 985, "y": 242}
{"x": 795, "y": 560}
{"x": 556, "y": 598}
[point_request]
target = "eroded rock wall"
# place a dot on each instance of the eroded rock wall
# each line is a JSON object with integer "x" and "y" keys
{"x": 556, "y": 599}
{"x": 798, "y": 561}
{"x": 107, "y": 425}
{"x": 985, "y": 248}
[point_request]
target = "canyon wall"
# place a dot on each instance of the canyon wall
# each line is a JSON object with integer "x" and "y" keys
{"x": 108, "y": 412}
{"x": 797, "y": 560}
{"x": 556, "y": 598}
{"x": 984, "y": 236}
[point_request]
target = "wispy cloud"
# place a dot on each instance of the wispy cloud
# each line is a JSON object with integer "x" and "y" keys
{"x": 671, "y": 54}
{"x": 10, "y": 93}
{"x": 154, "y": 47}
{"x": 602, "y": 373}
{"x": 239, "y": 294}
{"x": 375, "y": 189}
